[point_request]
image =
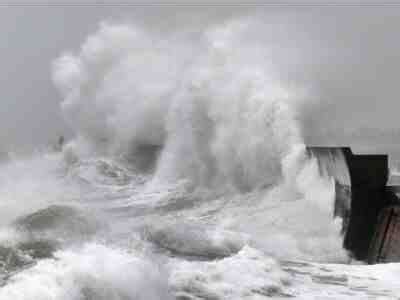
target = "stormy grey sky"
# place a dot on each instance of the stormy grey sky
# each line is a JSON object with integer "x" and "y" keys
{"x": 349, "y": 54}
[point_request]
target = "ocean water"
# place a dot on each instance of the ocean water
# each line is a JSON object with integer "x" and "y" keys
{"x": 187, "y": 178}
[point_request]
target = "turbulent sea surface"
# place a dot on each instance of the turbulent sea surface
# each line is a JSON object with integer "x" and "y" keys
{"x": 187, "y": 178}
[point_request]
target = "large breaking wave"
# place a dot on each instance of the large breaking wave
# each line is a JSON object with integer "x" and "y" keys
{"x": 187, "y": 155}
{"x": 220, "y": 117}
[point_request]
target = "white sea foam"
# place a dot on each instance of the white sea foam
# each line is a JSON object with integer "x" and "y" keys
{"x": 31, "y": 183}
{"x": 216, "y": 168}
{"x": 92, "y": 272}
{"x": 221, "y": 118}
{"x": 220, "y": 113}
{"x": 189, "y": 148}
{"x": 247, "y": 275}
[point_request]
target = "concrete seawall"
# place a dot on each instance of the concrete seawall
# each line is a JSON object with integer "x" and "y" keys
{"x": 362, "y": 195}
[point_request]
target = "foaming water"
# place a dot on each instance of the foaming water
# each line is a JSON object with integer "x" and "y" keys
{"x": 31, "y": 183}
{"x": 92, "y": 272}
{"x": 221, "y": 119}
{"x": 332, "y": 162}
{"x": 188, "y": 163}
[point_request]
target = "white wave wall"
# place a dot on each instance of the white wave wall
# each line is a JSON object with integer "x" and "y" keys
{"x": 213, "y": 101}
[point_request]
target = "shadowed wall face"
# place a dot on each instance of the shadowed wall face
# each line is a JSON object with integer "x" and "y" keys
{"x": 369, "y": 174}
{"x": 361, "y": 194}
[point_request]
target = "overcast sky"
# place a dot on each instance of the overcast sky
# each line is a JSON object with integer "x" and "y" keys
{"x": 350, "y": 55}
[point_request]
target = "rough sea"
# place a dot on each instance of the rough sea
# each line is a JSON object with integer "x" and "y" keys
{"x": 186, "y": 178}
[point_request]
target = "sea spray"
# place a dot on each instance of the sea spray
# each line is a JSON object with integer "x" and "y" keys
{"x": 222, "y": 118}
{"x": 184, "y": 151}
{"x": 224, "y": 122}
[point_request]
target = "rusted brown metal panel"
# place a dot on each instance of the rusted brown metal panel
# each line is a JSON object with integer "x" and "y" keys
{"x": 385, "y": 246}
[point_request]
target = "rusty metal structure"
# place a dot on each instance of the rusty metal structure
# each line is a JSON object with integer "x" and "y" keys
{"x": 385, "y": 245}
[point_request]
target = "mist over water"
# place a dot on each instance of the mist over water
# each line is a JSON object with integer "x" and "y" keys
{"x": 187, "y": 174}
